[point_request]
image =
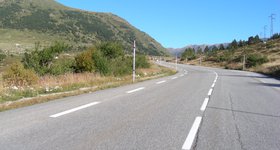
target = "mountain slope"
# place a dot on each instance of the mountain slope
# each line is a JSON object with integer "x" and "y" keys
{"x": 50, "y": 21}
{"x": 263, "y": 57}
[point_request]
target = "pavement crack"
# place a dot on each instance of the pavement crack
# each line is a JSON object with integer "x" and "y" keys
{"x": 235, "y": 124}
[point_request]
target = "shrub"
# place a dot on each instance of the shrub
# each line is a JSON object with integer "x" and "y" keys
{"x": 111, "y": 50}
{"x": 122, "y": 66}
{"x": 84, "y": 62}
{"x": 2, "y": 57}
{"x": 62, "y": 66}
{"x": 41, "y": 60}
{"x": 101, "y": 63}
{"x": 255, "y": 60}
{"x": 142, "y": 62}
{"x": 17, "y": 75}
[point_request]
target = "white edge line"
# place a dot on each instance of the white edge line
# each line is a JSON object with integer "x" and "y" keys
{"x": 160, "y": 82}
{"x": 210, "y": 91}
{"x": 73, "y": 110}
{"x": 135, "y": 90}
{"x": 213, "y": 85}
{"x": 174, "y": 78}
{"x": 192, "y": 134}
{"x": 204, "y": 105}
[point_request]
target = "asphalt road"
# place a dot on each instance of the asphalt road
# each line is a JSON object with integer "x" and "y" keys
{"x": 198, "y": 108}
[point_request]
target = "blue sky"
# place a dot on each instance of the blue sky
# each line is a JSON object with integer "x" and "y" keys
{"x": 177, "y": 23}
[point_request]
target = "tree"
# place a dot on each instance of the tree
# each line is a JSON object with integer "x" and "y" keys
{"x": 241, "y": 43}
{"x": 233, "y": 44}
{"x": 221, "y": 47}
{"x": 199, "y": 51}
{"x": 275, "y": 36}
{"x": 206, "y": 49}
{"x": 254, "y": 40}
{"x": 189, "y": 54}
{"x": 215, "y": 48}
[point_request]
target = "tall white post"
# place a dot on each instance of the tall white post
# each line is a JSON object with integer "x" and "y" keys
{"x": 134, "y": 49}
{"x": 176, "y": 61}
{"x": 244, "y": 62}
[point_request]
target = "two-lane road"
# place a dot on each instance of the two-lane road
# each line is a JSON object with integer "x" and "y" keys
{"x": 199, "y": 108}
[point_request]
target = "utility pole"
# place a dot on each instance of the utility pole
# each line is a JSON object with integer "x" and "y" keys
{"x": 244, "y": 62}
{"x": 134, "y": 49}
{"x": 200, "y": 59}
{"x": 272, "y": 18}
{"x": 176, "y": 61}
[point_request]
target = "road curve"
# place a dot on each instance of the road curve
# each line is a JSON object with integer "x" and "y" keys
{"x": 198, "y": 108}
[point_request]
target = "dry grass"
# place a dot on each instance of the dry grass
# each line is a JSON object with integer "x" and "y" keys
{"x": 54, "y": 87}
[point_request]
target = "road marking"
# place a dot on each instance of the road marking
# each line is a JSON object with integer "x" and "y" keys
{"x": 160, "y": 82}
{"x": 210, "y": 92}
{"x": 73, "y": 110}
{"x": 181, "y": 75}
{"x": 174, "y": 78}
{"x": 204, "y": 105}
{"x": 213, "y": 85}
{"x": 215, "y": 81}
{"x": 135, "y": 90}
{"x": 191, "y": 136}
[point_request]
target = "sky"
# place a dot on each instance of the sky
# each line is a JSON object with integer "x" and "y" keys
{"x": 177, "y": 23}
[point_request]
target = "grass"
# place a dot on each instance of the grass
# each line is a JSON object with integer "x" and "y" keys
{"x": 54, "y": 87}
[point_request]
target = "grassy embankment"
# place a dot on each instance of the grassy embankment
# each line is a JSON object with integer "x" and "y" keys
{"x": 54, "y": 87}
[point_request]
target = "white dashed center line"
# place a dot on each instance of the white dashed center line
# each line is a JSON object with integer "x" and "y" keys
{"x": 210, "y": 92}
{"x": 160, "y": 82}
{"x": 135, "y": 90}
{"x": 73, "y": 110}
{"x": 204, "y": 105}
{"x": 192, "y": 134}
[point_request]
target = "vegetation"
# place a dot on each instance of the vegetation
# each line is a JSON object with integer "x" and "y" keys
{"x": 51, "y": 69}
{"x": 188, "y": 54}
{"x": 254, "y": 60}
{"x": 41, "y": 61}
{"x": 17, "y": 76}
{"x": 47, "y": 18}
{"x": 261, "y": 56}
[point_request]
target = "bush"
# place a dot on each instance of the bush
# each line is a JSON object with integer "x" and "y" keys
{"x": 62, "y": 66}
{"x": 122, "y": 66}
{"x": 41, "y": 60}
{"x": 2, "y": 57}
{"x": 255, "y": 60}
{"x": 142, "y": 62}
{"x": 17, "y": 75}
{"x": 111, "y": 50}
{"x": 101, "y": 63}
{"x": 84, "y": 62}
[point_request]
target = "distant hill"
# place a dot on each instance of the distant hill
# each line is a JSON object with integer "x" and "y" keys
{"x": 179, "y": 51}
{"x": 23, "y": 22}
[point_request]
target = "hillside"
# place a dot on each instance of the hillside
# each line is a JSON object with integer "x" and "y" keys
{"x": 263, "y": 57}
{"x": 23, "y": 22}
